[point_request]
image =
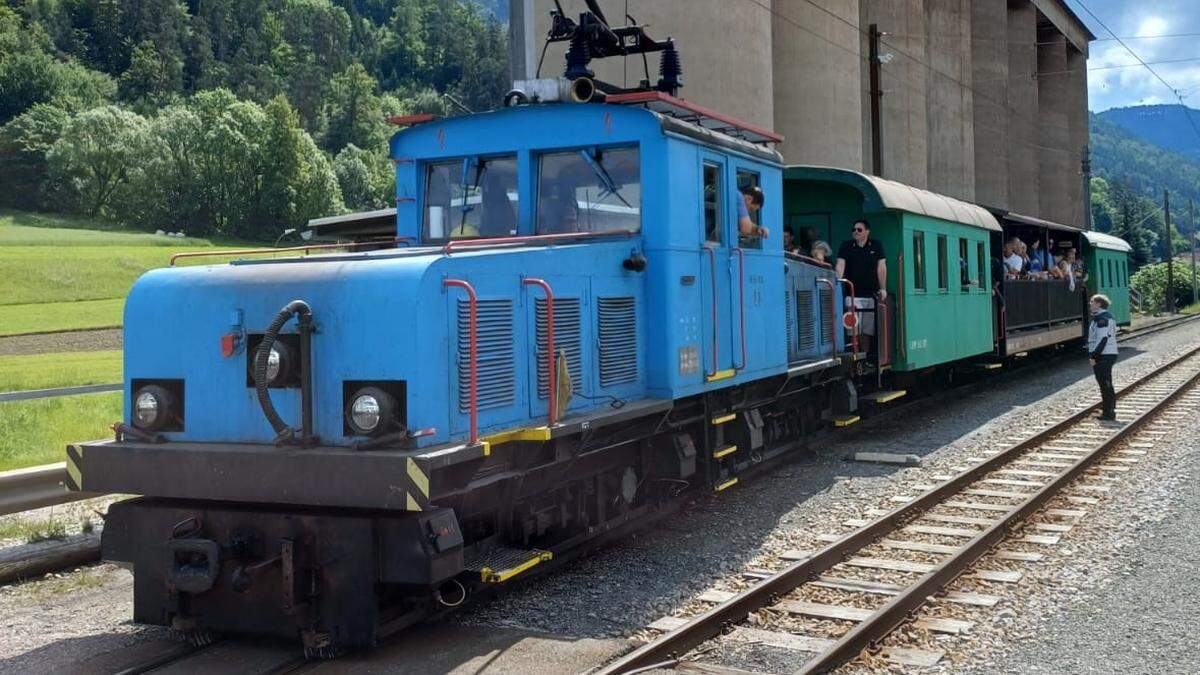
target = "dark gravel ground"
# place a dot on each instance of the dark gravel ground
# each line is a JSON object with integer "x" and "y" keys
{"x": 66, "y": 341}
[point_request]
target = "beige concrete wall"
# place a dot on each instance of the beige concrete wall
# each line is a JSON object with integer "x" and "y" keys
{"x": 1077, "y": 121}
{"x": 1022, "y": 109}
{"x": 989, "y": 67}
{"x": 727, "y": 54}
{"x": 904, "y": 83}
{"x": 1057, "y": 172}
{"x": 950, "y": 100}
{"x": 815, "y": 51}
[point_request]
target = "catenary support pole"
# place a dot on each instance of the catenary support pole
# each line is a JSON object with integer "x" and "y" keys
{"x": 1192, "y": 224}
{"x": 874, "y": 38}
{"x": 1169, "y": 251}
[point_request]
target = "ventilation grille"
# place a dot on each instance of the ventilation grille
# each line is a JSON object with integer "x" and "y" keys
{"x": 618, "y": 341}
{"x": 826, "y": 311}
{"x": 496, "y": 380}
{"x": 804, "y": 314}
{"x": 790, "y": 319}
{"x": 566, "y": 339}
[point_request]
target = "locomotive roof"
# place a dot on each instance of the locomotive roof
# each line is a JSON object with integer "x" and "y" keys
{"x": 881, "y": 194}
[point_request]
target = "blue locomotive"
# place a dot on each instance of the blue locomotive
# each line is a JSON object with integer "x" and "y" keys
{"x": 571, "y": 329}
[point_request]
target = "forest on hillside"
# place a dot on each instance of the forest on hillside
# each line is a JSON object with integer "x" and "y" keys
{"x": 233, "y": 118}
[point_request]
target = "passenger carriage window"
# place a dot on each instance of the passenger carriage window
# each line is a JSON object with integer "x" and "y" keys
{"x": 749, "y": 179}
{"x": 981, "y": 270}
{"x": 1110, "y": 272}
{"x": 964, "y": 267}
{"x": 943, "y": 263}
{"x": 470, "y": 198}
{"x": 712, "y": 203}
{"x": 918, "y": 240}
{"x": 589, "y": 191}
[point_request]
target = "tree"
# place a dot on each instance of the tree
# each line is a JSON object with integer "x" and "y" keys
{"x": 95, "y": 154}
{"x": 150, "y": 78}
{"x": 365, "y": 178}
{"x": 24, "y": 143}
{"x": 354, "y": 111}
{"x": 1151, "y": 283}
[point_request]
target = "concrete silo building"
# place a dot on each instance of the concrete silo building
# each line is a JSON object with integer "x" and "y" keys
{"x": 983, "y": 100}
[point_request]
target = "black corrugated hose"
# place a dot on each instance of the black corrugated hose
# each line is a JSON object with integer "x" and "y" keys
{"x": 284, "y": 432}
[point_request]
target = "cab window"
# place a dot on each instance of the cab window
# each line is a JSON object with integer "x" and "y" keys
{"x": 712, "y": 203}
{"x": 471, "y": 198}
{"x": 749, "y": 179}
{"x": 590, "y": 190}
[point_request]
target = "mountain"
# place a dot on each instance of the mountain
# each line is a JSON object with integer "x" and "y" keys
{"x": 1121, "y": 155}
{"x": 1166, "y": 126}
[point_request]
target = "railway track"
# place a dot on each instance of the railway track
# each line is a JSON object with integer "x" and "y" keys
{"x": 982, "y": 524}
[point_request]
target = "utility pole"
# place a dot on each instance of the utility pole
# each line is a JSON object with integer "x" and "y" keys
{"x": 1170, "y": 252}
{"x": 874, "y": 38}
{"x": 1192, "y": 223}
{"x": 1087, "y": 187}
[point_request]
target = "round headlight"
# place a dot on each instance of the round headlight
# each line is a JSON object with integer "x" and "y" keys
{"x": 152, "y": 407}
{"x": 364, "y": 412}
{"x": 279, "y": 363}
{"x": 370, "y": 411}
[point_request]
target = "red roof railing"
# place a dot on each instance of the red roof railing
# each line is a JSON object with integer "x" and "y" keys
{"x": 289, "y": 249}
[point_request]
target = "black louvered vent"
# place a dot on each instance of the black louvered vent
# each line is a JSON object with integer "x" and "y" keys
{"x": 496, "y": 381}
{"x": 789, "y": 315}
{"x": 618, "y": 340}
{"x": 566, "y": 339}
{"x": 826, "y": 311}
{"x": 804, "y": 314}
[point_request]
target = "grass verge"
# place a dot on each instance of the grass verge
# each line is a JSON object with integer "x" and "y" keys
{"x": 62, "y": 369}
{"x": 56, "y": 316}
{"x": 38, "y": 431}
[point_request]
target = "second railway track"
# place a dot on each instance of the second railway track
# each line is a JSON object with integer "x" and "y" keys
{"x": 847, "y": 597}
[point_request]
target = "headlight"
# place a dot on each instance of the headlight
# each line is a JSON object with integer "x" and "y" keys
{"x": 370, "y": 411}
{"x": 152, "y": 407}
{"x": 278, "y": 363}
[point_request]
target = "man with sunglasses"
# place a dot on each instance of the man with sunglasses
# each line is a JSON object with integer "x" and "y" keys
{"x": 861, "y": 261}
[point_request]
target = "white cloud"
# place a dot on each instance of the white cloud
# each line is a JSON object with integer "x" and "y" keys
{"x": 1153, "y": 25}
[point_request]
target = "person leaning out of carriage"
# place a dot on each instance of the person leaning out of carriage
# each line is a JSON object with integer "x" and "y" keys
{"x": 1102, "y": 353}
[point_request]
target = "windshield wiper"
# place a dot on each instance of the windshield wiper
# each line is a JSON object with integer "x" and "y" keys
{"x": 610, "y": 186}
{"x": 466, "y": 207}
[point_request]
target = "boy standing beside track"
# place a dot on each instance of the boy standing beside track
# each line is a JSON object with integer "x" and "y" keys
{"x": 1102, "y": 353}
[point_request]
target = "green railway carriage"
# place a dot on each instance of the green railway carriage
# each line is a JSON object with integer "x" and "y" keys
{"x": 1107, "y": 260}
{"x": 938, "y": 256}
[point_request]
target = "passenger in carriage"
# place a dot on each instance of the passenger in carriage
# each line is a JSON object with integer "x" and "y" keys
{"x": 821, "y": 251}
{"x": 751, "y": 202}
{"x": 1039, "y": 260}
{"x": 1014, "y": 264}
{"x": 861, "y": 261}
{"x": 1078, "y": 270}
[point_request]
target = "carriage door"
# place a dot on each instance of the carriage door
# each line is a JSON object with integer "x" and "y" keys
{"x": 717, "y": 331}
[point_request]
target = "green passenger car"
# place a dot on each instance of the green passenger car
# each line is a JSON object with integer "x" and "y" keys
{"x": 938, "y": 258}
{"x": 1107, "y": 261}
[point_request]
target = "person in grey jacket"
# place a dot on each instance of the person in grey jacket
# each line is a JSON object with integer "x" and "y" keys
{"x": 1102, "y": 353}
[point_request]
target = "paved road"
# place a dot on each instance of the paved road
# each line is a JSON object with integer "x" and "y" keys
{"x": 61, "y": 391}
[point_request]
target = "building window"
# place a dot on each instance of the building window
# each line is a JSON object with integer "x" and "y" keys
{"x": 943, "y": 263}
{"x": 982, "y": 270}
{"x": 712, "y": 203}
{"x": 589, "y": 191}
{"x": 471, "y": 198}
{"x": 918, "y": 244}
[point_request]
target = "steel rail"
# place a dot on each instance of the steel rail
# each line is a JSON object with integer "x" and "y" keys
{"x": 710, "y": 623}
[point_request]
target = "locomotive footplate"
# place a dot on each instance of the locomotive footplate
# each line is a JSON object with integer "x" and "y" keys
{"x": 325, "y": 577}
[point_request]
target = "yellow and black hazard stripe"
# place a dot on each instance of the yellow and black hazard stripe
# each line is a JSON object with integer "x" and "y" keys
{"x": 418, "y": 486}
{"x": 74, "y": 468}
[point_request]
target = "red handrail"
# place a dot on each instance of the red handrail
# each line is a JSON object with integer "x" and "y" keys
{"x": 531, "y": 239}
{"x": 884, "y": 346}
{"x": 551, "y": 384}
{"x": 712, "y": 256}
{"x": 833, "y": 322}
{"x": 472, "y": 308}
{"x": 853, "y": 309}
{"x": 742, "y": 301}
{"x": 287, "y": 249}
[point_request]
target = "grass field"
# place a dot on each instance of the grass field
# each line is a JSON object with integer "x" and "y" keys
{"x": 65, "y": 369}
{"x": 54, "y": 316}
{"x": 37, "y": 432}
{"x": 50, "y": 263}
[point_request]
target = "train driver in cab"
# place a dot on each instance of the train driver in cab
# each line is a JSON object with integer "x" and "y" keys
{"x": 751, "y": 202}
{"x": 861, "y": 261}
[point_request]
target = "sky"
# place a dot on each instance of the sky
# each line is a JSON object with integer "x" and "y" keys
{"x": 1138, "y": 22}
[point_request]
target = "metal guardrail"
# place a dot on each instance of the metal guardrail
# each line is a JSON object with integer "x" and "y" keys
{"x": 60, "y": 391}
{"x": 35, "y": 487}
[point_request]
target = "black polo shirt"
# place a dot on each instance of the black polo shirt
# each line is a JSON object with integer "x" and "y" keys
{"x": 861, "y": 263}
